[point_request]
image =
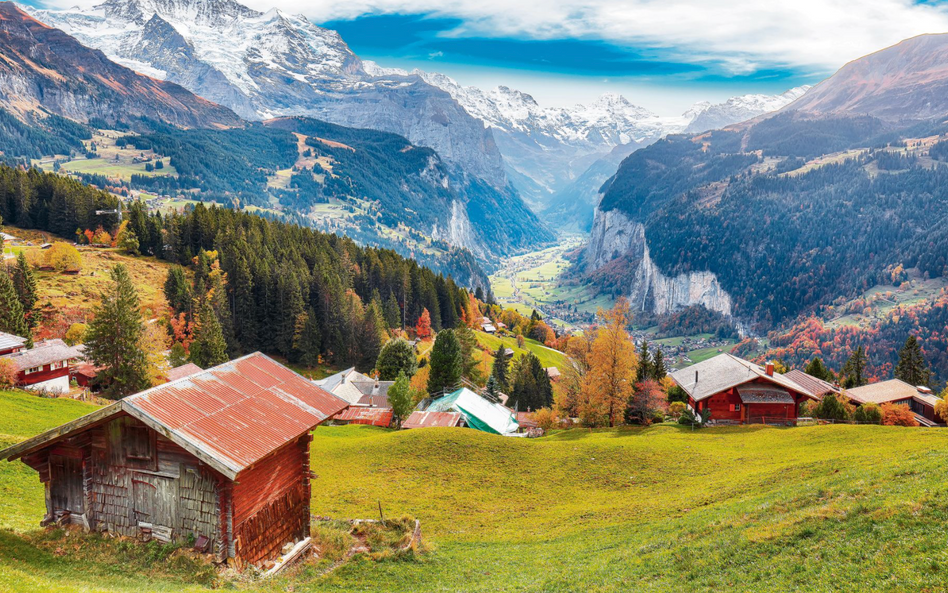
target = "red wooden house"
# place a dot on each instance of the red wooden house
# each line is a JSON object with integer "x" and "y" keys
{"x": 738, "y": 391}
{"x": 221, "y": 456}
{"x": 45, "y": 366}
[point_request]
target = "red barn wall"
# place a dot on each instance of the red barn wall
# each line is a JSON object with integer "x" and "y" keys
{"x": 271, "y": 502}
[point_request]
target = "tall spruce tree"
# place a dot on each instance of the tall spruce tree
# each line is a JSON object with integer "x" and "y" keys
{"x": 912, "y": 367}
{"x": 25, "y": 283}
{"x": 446, "y": 364}
{"x": 816, "y": 368}
{"x": 855, "y": 369}
{"x": 113, "y": 340}
{"x": 178, "y": 291}
{"x": 659, "y": 370}
{"x": 307, "y": 340}
{"x": 12, "y": 320}
{"x": 644, "y": 370}
{"x": 209, "y": 348}
{"x": 501, "y": 367}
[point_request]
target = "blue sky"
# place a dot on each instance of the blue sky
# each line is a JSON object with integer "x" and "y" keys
{"x": 560, "y": 71}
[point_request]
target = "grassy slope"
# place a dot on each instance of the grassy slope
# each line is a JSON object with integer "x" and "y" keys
{"x": 548, "y": 357}
{"x": 742, "y": 509}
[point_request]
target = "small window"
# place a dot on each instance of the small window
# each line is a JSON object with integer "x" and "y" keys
{"x": 33, "y": 370}
{"x": 735, "y": 407}
{"x": 139, "y": 443}
{"x": 57, "y": 365}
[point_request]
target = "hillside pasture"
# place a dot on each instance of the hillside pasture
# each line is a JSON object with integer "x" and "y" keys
{"x": 822, "y": 508}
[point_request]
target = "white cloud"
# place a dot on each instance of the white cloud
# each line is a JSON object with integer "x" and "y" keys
{"x": 744, "y": 35}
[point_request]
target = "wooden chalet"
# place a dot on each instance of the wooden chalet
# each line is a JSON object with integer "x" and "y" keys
{"x": 919, "y": 399}
{"x": 221, "y": 456}
{"x": 738, "y": 391}
{"x": 45, "y": 366}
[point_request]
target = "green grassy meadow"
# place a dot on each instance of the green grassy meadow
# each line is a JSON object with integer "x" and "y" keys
{"x": 822, "y": 508}
{"x": 548, "y": 357}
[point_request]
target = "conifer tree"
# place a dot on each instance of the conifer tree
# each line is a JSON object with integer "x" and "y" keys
{"x": 307, "y": 341}
{"x": 500, "y": 369}
{"x": 659, "y": 370}
{"x": 816, "y": 368}
{"x": 393, "y": 314}
{"x": 397, "y": 356}
{"x": 644, "y": 370}
{"x": 446, "y": 364}
{"x": 178, "y": 291}
{"x": 113, "y": 340}
{"x": 209, "y": 348}
{"x": 491, "y": 390}
{"x": 12, "y": 320}
{"x": 25, "y": 283}
{"x": 855, "y": 368}
{"x": 912, "y": 367}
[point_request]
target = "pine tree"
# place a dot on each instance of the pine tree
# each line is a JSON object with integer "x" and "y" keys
{"x": 855, "y": 368}
{"x": 12, "y": 320}
{"x": 491, "y": 390}
{"x": 659, "y": 370}
{"x": 644, "y": 370}
{"x": 178, "y": 291}
{"x": 209, "y": 348}
{"x": 500, "y": 369}
{"x": 470, "y": 368}
{"x": 113, "y": 340}
{"x": 25, "y": 284}
{"x": 393, "y": 314}
{"x": 307, "y": 341}
{"x": 816, "y": 368}
{"x": 446, "y": 364}
{"x": 912, "y": 367}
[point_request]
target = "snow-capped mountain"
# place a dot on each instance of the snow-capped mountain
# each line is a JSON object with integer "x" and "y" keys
{"x": 705, "y": 116}
{"x": 269, "y": 64}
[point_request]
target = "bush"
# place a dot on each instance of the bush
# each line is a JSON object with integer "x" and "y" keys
{"x": 807, "y": 408}
{"x": 7, "y": 373}
{"x": 677, "y": 394}
{"x": 63, "y": 257}
{"x": 396, "y": 356}
{"x": 831, "y": 408}
{"x": 76, "y": 333}
{"x": 868, "y": 413}
{"x": 689, "y": 418}
{"x": 676, "y": 409}
{"x": 898, "y": 415}
{"x": 546, "y": 419}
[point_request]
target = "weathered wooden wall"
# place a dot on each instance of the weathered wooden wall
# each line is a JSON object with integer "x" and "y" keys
{"x": 271, "y": 502}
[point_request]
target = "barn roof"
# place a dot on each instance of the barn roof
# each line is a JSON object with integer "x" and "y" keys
{"x": 43, "y": 353}
{"x": 883, "y": 392}
{"x": 817, "y": 387}
{"x": 724, "y": 372}
{"x": 754, "y": 393}
{"x": 230, "y": 416}
{"x": 432, "y": 419}
{"x": 185, "y": 370}
{"x": 374, "y": 416}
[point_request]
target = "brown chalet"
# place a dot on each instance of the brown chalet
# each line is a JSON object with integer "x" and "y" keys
{"x": 738, "y": 391}
{"x": 897, "y": 392}
{"x": 221, "y": 456}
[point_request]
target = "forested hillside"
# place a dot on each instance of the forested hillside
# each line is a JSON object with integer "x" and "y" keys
{"x": 277, "y": 273}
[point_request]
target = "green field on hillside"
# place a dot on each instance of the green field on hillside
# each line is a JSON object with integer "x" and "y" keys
{"x": 548, "y": 356}
{"x": 823, "y": 508}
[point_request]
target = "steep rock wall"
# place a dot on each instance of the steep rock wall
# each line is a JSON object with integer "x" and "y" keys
{"x": 614, "y": 235}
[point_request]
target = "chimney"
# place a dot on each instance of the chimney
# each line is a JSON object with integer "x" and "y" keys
{"x": 770, "y": 368}
{"x": 696, "y": 377}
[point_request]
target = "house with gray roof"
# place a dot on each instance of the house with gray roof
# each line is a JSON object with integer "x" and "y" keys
{"x": 738, "y": 391}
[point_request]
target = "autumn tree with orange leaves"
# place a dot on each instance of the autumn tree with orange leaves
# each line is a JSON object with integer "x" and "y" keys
{"x": 608, "y": 385}
{"x": 423, "y": 327}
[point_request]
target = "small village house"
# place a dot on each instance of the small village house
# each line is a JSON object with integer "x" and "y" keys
{"x": 45, "y": 367}
{"x": 738, "y": 391}
{"x": 220, "y": 458}
{"x": 10, "y": 343}
{"x": 895, "y": 391}
{"x": 185, "y": 370}
{"x": 357, "y": 389}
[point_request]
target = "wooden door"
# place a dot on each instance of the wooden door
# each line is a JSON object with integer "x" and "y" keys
{"x": 65, "y": 488}
{"x": 155, "y": 499}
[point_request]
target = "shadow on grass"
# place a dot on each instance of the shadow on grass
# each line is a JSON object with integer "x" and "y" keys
{"x": 576, "y": 434}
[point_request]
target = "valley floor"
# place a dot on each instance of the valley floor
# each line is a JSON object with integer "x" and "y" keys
{"x": 824, "y": 508}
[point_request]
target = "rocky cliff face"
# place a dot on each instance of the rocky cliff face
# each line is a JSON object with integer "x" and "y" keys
{"x": 614, "y": 235}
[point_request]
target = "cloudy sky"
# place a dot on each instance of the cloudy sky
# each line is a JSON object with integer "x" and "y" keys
{"x": 662, "y": 54}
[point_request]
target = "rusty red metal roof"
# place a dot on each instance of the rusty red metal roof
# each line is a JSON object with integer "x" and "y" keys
{"x": 359, "y": 415}
{"x": 185, "y": 370}
{"x": 237, "y": 413}
{"x": 430, "y": 419}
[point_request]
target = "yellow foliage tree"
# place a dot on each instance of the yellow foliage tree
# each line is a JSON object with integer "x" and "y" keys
{"x": 154, "y": 342}
{"x": 609, "y": 384}
{"x": 63, "y": 257}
